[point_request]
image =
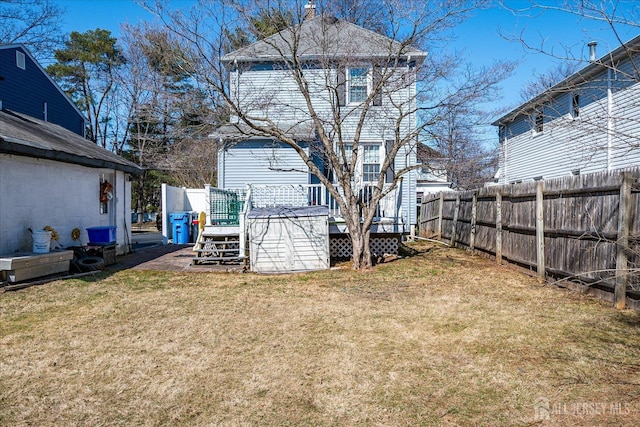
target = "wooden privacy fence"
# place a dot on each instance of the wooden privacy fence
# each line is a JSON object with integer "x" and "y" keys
{"x": 584, "y": 229}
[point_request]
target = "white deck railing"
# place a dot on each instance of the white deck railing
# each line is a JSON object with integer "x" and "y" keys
{"x": 229, "y": 207}
{"x": 298, "y": 195}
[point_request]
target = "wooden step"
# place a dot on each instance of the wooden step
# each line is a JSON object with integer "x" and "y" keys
{"x": 199, "y": 260}
{"x": 217, "y": 250}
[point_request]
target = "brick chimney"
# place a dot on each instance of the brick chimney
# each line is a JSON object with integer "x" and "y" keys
{"x": 310, "y": 10}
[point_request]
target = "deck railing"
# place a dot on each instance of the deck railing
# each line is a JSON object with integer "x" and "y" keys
{"x": 299, "y": 195}
{"x": 226, "y": 206}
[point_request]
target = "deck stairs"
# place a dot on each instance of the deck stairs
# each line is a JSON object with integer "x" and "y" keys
{"x": 217, "y": 248}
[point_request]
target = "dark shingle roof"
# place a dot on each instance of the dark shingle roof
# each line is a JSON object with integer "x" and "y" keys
{"x": 27, "y": 136}
{"x": 324, "y": 36}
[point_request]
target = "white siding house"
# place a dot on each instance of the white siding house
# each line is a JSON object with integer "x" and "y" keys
{"x": 50, "y": 174}
{"x": 317, "y": 113}
{"x": 586, "y": 123}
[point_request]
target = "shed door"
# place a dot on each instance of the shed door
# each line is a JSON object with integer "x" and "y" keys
{"x": 289, "y": 244}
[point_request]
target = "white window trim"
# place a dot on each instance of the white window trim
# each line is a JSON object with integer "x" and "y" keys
{"x": 534, "y": 122}
{"x": 359, "y": 172}
{"x": 348, "y": 77}
{"x": 21, "y": 61}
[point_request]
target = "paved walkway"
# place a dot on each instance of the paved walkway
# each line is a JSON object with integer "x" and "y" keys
{"x": 169, "y": 258}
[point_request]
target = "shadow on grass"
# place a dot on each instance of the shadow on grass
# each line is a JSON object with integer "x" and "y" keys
{"x": 123, "y": 262}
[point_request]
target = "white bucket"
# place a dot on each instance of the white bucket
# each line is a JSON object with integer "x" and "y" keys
{"x": 41, "y": 241}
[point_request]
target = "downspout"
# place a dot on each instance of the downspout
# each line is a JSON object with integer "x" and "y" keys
{"x": 410, "y": 212}
{"x": 505, "y": 145}
{"x": 610, "y": 122}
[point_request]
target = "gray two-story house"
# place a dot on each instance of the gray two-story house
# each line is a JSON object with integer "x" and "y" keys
{"x": 308, "y": 103}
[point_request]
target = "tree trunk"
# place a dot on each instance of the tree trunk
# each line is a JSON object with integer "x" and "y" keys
{"x": 140, "y": 204}
{"x": 361, "y": 252}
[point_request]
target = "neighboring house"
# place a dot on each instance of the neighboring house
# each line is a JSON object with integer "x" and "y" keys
{"x": 49, "y": 173}
{"x": 586, "y": 123}
{"x": 432, "y": 176}
{"x": 25, "y": 87}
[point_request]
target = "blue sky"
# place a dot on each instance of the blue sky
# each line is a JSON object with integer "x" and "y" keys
{"x": 478, "y": 39}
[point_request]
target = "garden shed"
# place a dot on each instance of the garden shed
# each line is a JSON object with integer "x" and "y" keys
{"x": 287, "y": 239}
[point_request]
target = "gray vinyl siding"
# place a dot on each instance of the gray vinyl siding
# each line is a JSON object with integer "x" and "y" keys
{"x": 286, "y": 244}
{"x": 274, "y": 93}
{"x": 266, "y": 91}
{"x": 569, "y": 143}
{"x": 407, "y": 157}
{"x": 260, "y": 162}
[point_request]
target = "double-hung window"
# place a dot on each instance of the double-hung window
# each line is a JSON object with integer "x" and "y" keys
{"x": 358, "y": 84}
{"x": 370, "y": 162}
{"x": 538, "y": 122}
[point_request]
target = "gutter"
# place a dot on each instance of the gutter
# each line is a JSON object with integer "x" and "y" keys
{"x": 10, "y": 147}
{"x": 581, "y": 76}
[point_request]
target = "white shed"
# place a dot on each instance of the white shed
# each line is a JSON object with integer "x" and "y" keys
{"x": 285, "y": 239}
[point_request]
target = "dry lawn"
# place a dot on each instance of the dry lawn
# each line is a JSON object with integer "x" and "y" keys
{"x": 439, "y": 338}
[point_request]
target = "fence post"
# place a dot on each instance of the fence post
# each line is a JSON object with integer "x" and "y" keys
{"x": 622, "y": 244}
{"x": 440, "y": 211}
{"x": 455, "y": 220}
{"x": 499, "y": 227}
{"x": 472, "y": 237}
{"x": 207, "y": 202}
{"x": 540, "y": 230}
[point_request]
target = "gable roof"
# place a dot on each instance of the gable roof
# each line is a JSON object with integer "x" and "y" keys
{"x": 579, "y": 77}
{"x": 424, "y": 153}
{"x": 27, "y": 136}
{"x": 321, "y": 37}
{"x": 24, "y": 50}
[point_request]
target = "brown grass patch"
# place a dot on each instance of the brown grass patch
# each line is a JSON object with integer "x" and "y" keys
{"x": 440, "y": 338}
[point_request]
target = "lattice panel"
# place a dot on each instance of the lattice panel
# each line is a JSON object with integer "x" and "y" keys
{"x": 341, "y": 246}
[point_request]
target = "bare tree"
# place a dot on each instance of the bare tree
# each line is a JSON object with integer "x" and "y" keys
{"x": 337, "y": 130}
{"x": 540, "y": 83}
{"x": 35, "y": 23}
{"x": 167, "y": 118}
{"x": 462, "y": 155}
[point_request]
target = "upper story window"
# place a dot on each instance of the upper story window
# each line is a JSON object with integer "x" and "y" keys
{"x": 20, "y": 60}
{"x": 538, "y": 122}
{"x": 358, "y": 79}
{"x": 575, "y": 105}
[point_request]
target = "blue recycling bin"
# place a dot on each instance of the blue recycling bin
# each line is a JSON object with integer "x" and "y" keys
{"x": 180, "y": 226}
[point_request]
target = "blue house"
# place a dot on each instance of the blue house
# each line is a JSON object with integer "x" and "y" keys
{"x": 26, "y": 88}
{"x": 584, "y": 124}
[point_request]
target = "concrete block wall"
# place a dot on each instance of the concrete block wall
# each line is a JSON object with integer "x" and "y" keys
{"x": 35, "y": 193}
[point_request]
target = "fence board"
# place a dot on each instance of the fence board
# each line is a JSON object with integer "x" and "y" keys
{"x": 580, "y": 227}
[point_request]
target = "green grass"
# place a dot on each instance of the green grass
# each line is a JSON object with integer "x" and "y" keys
{"x": 439, "y": 338}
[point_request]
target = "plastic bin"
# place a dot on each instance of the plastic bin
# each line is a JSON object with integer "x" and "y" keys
{"x": 194, "y": 228}
{"x": 104, "y": 235}
{"x": 180, "y": 226}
